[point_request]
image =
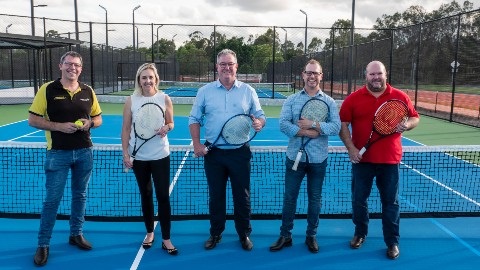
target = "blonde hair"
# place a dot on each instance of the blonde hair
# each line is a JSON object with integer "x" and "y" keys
{"x": 138, "y": 87}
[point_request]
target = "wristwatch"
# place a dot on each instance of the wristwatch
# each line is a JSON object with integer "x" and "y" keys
{"x": 314, "y": 124}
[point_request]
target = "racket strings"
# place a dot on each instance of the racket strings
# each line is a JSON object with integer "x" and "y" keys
{"x": 389, "y": 116}
{"x": 148, "y": 120}
{"x": 238, "y": 130}
{"x": 315, "y": 110}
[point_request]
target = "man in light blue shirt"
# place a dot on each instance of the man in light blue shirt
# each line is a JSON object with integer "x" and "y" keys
{"x": 313, "y": 163}
{"x": 215, "y": 103}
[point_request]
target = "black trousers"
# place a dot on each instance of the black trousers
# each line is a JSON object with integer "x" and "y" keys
{"x": 159, "y": 172}
{"x": 221, "y": 165}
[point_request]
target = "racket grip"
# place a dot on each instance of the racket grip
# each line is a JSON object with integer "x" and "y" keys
{"x": 297, "y": 160}
{"x": 362, "y": 151}
{"x": 126, "y": 169}
{"x": 206, "y": 151}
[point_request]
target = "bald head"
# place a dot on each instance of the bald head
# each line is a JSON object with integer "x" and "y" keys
{"x": 376, "y": 76}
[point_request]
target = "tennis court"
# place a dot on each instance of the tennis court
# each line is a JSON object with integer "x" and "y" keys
{"x": 189, "y": 89}
{"x": 435, "y": 182}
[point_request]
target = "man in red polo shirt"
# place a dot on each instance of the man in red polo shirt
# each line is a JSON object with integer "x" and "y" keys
{"x": 381, "y": 160}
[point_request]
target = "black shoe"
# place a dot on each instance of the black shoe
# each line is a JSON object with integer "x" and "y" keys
{"x": 171, "y": 251}
{"x": 246, "y": 244}
{"x": 147, "y": 245}
{"x": 41, "y": 256}
{"x": 212, "y": 241}
{"x": 281, "y": 242}
{"x": 357, "y": 242}
{"x": 311, "y": 243}
{"x": 393, "y": 252}
{"x": 80, "y": 242}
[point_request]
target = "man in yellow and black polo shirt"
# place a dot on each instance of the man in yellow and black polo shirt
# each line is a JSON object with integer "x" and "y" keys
{"x": 56, "y": 108}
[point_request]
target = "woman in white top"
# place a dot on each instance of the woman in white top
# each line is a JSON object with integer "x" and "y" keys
{"x": 152, "y": 162}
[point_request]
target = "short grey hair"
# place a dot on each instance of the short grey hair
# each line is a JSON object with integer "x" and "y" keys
{"x": 72, "y": 54}
{"x": 226, "y": 52}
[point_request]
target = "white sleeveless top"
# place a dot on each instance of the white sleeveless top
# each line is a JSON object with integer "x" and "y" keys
{"x": 157, "y": 147}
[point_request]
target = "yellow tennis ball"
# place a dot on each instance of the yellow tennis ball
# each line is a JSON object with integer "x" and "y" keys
{"x": 79, "y": 123}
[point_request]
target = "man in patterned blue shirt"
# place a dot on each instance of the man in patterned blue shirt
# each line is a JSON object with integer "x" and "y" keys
{"x": 313, "y": 163}
{"x": 214, "y": 104}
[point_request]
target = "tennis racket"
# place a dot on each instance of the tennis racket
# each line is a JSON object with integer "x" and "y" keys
{"x": 237, "y": 130}
{"x": 316, "y": 110}
{"x": 387, "y": 117}
{"x": 149, "y": 118}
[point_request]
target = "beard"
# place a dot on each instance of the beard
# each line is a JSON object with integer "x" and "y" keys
{"x": 376, "y": 87}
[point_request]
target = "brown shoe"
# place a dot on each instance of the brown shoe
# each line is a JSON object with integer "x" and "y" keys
{"x": 80, "y": 242}
{"x": 311, "y": 243}
{"x": 393, "y": 252}
{"x": 357, "y": 242}
{"x": 41, "y": 256}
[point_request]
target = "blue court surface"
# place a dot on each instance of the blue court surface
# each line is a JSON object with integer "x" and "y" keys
{"x": 441, "y": 243}
{"x": 178, "y": 91}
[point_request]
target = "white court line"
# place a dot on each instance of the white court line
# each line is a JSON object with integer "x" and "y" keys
{"x": 141, "y": 250}
{"x": 26, "y": 135}
{"x": 443, "y": 185}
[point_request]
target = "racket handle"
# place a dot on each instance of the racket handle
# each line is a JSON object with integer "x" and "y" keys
{"x": 297, "y": 160}
{"x": 205, "y": 150}
{"x": 362, "y": 151}
{"x": 126, "y": 169}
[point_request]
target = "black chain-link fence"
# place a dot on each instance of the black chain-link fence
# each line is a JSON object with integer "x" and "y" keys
{"x": 437, "y": 62}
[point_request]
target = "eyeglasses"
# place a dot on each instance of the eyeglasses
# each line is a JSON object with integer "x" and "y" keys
{"x": 76, "y": 65}
{"x": 314, "y": 73}
{"x": 224, "y": 65}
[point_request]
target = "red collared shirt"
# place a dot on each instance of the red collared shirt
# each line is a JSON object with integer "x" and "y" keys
{"x": 358, "y": 109}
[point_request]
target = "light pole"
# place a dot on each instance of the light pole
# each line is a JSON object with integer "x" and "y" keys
{"x": 285, "y": 44}
{"x": 137, "y": 36}
{"x": 106, "y": 25}
{"x": 32, "y": 17}
{"x": 133, "y": 16}
{"x": 350, "y": 53}
{"x": 306, "y": 27}
{"x": 174, "y": 61}
{"x": 158, "y": 45}
{"x": 77, "y": 33}
{"x": 106, "y": 44}
{"x": 8, "y": 26}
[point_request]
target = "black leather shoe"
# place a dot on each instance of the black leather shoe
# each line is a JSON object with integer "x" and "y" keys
{"x": 41, "y": 256}
{"x": 357, "y": 242}
{"x": 281, "y": 242}
{"x": 393, "y": 252}
{"x": 212, "y": 241}
{"x": 246, "y": 244}
{"x": 170, "y": 251}
{"x": 311, "y": 243}
{"x": 80, "y": 242}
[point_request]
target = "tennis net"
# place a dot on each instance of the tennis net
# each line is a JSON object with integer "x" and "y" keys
{"x": 435, "y": 181}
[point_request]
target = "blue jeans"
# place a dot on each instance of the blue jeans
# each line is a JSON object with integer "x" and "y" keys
{"x": 387, "y": 178}
{"x": 293, "y": 179}
{"x": 58, "y": 163}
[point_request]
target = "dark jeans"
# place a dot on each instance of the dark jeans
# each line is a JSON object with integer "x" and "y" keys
{"x": 159, "y": 171}
{"x": 220, "y": 165}
{"x": 387, "y": 178}
{"x": 315, "y": 173}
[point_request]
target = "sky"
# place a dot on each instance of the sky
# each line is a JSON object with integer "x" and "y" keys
{"x": 320, "y": 13}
